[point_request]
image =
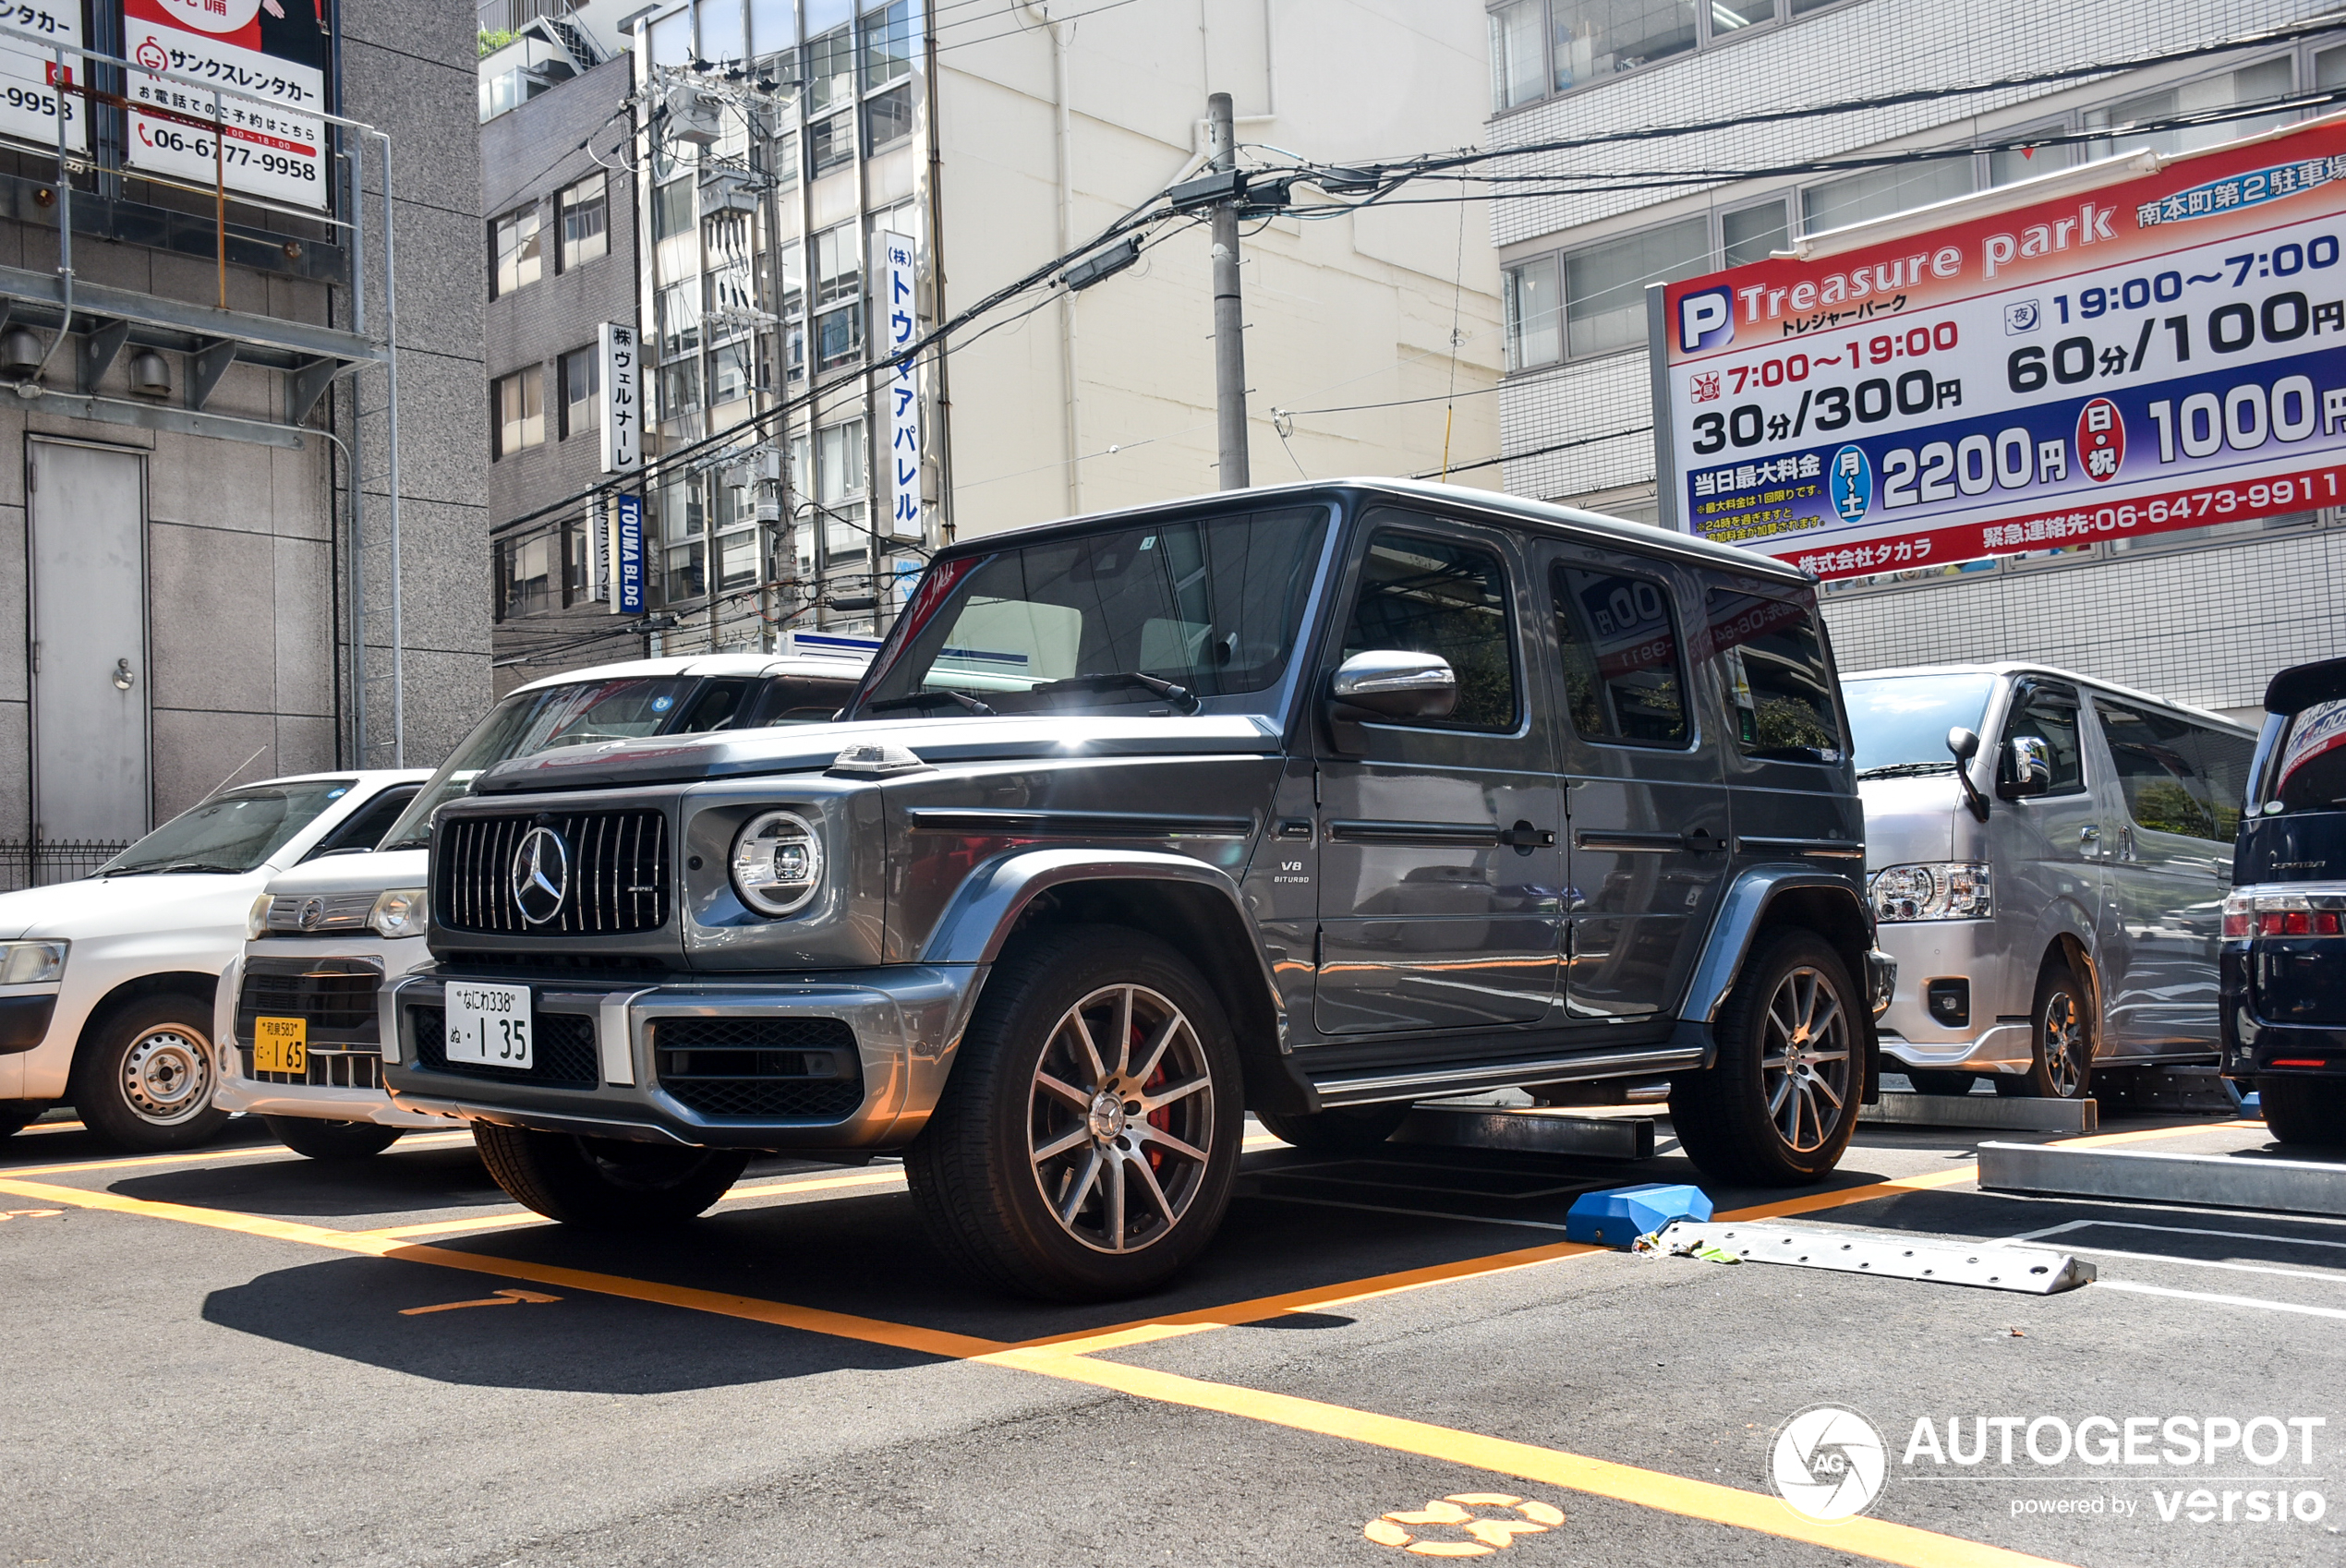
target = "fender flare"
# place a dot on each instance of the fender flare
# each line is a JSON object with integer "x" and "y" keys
{"x": 1742, "y": 913}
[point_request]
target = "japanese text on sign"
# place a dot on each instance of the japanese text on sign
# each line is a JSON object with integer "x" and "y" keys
{"x": 898, "y": 273}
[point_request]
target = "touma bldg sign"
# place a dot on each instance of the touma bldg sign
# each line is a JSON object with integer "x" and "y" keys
{"x": 2140, "y": 344}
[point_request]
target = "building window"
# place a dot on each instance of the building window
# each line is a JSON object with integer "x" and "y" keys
{"x": 728, "y": 373}
{"x": 781, "y": 161}
{"x": 2250, "y": 84}
{"x": 672, "y": 208}
{"x": 515, "y": 252}
{"x": 680, "y": 533}
{"x": 1752, "y": 233}
{"x": 887, "y": 117}
{"x": 1878, "y": 193}
{"x": 839, "y": 265}
{"x": 830, "y": 144}
{"x": 839, "y": 336}
{"x": 1535, "y": 317}
{"x": 1540, "y": 47}
{"x": 517, "y": 405}
{"x": 679, "y": 387}
{"x": 677, "y": 320}
{"x": 831, "y": 70}
{"x": 1604, "y": 286}
{"x": 582, "y": 405}
{"x": 888, "y": 44}
{"x": 839, "y": 486}
{"x": 530, "y": 570}
{"x": 585, "y": 221}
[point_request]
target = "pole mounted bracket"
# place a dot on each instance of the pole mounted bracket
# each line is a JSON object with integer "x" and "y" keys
{"x": 205, "y": 367}
{"x": 98, "y": 352}
{"x": 306, "y": 385}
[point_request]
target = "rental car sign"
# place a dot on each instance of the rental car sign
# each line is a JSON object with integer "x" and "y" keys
{"x": 2165, "y": 349}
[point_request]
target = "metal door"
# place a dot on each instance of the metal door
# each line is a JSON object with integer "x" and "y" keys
{"x": 1439, "y": 865}
{"x": 1645, "y": 802}
{"x": 88, "y": 628}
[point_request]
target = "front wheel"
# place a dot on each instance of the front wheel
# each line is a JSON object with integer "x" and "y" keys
{"x": 1345, "y": 1129}
{"x": 144, "y": 1080}
{"x": 2062, "y": 1067}
{"x": 606, "y": 1183}
{"x": 1777, "y": 1107}
{"x": 1088, "y": 1140}
{"x": 322, "y": 1139}
{"x": 2310, "y": 1110}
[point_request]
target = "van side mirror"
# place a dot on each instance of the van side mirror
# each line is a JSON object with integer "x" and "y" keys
{"x": 2030, "y": 770}
{"x": 1395, "y": 683}
{"x": 1964, "y": 744}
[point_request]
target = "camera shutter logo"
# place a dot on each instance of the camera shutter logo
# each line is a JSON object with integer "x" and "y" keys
{"x": 540, "y": 874}
{"x": 1828, "y": 1463}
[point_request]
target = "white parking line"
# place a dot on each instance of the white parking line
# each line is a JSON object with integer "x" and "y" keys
{"x": 2179, "y": 1230}
{"x": 2258, "y": 1302}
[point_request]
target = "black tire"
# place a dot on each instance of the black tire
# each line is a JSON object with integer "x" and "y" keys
{"x": 144, "y": 1078}
{"x": 322, "y": 1139}
{"x": 1940, "y": 1082}
{"x": 2060, "y": 1030}
{"x": 1343, "y": 1129}
{"x": 1723, "y": 1119}
{"x": 1004, "y": 1133}
{"x": 606, "y": 1183}
{"x": 13, "y": 1121}
{"x": 2309, "y": 1111}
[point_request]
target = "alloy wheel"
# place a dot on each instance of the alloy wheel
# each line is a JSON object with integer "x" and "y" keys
{"x": 2064, "y": 1044}
{"x": 1120, "y": 1118}
{"x": 1805, "y": 1058}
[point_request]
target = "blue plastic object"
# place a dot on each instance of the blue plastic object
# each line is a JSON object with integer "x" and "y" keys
{"x": 1618, "y": 1215}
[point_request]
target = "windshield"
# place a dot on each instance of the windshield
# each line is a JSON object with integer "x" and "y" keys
{"x": 2309, "y": 766}
{"x": 537, "y": 721}
{"x": 1210, "y": 605}
{"x": 1899, "y": 723}
{"x": 232, "y": 832}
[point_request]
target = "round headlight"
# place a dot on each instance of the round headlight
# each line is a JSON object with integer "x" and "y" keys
{"x": 778, "y": 862}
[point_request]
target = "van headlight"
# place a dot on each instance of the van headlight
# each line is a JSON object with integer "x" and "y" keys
{"x": 399, "y": 911}
{"x": 1932, "y": 890}
{"x": 778, "y": 862}
{"x": 257, "y": 919}
{"x": 32, "y": 963}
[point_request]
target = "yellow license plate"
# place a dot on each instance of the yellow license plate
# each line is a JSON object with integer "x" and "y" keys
{"x": 280, "y": 1045}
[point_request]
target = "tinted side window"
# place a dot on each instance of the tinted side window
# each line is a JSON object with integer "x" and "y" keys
{"x": 801, "y": 700}
{"x": 2225, "y": 760}
{"x": 718, "y": 706}
{"x": 1441, "y": 597}
{"x": 1623, "y": 675}
{"x": 2161, "y": 772}
{"x": 1779, "y": 685}
{"x": 364, "y": 831}
{"x": 2048, "y": 714}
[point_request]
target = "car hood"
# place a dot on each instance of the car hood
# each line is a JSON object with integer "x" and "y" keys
{"x": 805, "y": 747}
{"x": 97, "y": 905}
{"x": 1911, "y": 820}
{"x": 369, "y": 872}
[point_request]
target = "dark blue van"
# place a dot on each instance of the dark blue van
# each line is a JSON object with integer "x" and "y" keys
{"x": 2285, "y": 958}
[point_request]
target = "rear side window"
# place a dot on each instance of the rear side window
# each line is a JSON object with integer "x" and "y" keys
{"x": 1624, "y": 673}
{"x": 2046, "y": 714}
{"x": 2310, "y": 772}
{"x": 365, "y": 830}
{"x": 2168, "y": 771}
{"x": 801, "y": 700}
{"x": 1779, "y": 685}
{"x": 1441, "y": 597}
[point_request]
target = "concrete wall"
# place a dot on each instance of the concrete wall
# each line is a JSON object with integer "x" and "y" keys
{"x": 1343, "y": 311}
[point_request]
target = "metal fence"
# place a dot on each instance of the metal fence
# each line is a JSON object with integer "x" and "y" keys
{"x": 41, "y": 861}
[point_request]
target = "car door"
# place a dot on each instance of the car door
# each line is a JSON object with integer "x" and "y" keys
{"x": 2162, "y": 880}
{"x": 2047, "y": 849}
{"x": 1645, "y": 806}
{"x": 1439, "y": 869}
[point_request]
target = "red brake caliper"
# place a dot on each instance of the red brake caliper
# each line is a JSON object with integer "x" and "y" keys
{"x": 1162, "y": 1117}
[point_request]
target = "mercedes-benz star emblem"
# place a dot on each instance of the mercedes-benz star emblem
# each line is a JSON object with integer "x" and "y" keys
{"x": 541, "y": 875}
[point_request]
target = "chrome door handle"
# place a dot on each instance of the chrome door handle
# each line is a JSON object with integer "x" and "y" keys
{"x": 2087, "y": 835}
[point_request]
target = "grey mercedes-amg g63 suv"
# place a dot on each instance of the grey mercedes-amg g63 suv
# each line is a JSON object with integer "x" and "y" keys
{"x": 1313, "y": 801}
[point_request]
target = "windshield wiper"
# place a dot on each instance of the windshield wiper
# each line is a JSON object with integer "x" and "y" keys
{"x": 176, "y": 865}
{"x": 1908, "y": 769}
{"x": 921, "y": 699}
{"x": 1181, "y": 697}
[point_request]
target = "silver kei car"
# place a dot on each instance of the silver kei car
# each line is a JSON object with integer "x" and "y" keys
{"x": 2047, "y": 855}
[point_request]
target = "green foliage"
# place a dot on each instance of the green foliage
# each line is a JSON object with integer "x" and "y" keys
{"x": 493, "y": 42}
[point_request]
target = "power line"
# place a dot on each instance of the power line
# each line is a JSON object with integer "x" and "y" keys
{"x": 1540, "y": 450}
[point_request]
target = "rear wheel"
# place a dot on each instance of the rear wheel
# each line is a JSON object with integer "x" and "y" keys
{"x": 606, "y": 1183}
{"x": 2304, "y": 1110}
{"x": 1345, "y": 1129}
{"x": 1088, "y": 1140}
{"x": 144, "y": 1080}
{"x": 1778, "y": 1106}
{"x": 1928, "y": 1082}
{"x": 2062, "y": 1029}
{"x": 322, "y": 1139}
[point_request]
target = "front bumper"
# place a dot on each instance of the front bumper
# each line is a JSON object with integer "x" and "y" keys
{"x": 343, "y": 1078}
{"x": 905, "y": 1022}
{"x": 1936, "y": 949}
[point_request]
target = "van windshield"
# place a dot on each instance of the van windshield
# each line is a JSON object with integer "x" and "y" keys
{"x": 537, "y": 721}
{"x": 234, "y": 832}
{"x": 1899, "y": 723}
{"x": 2309, "y": 766}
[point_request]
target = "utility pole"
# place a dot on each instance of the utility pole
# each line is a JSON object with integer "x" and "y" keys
{"x": 1230, "y": 342}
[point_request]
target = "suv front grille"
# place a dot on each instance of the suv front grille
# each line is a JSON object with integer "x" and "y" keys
{"x": 769, "y": 1069}
{"x": 614, "y": 878}
{"x": 562, "y": 1049}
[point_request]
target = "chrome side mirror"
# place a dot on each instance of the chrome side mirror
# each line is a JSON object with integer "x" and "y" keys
{"x": 2031, "y": 768}
{"x": 1396, "y": 683}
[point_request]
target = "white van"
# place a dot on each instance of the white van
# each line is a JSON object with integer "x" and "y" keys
{"x": 296, "y": 1016}
{"x": 2048, "y": 856}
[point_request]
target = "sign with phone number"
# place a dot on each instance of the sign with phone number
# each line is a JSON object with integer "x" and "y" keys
{"x": 2159, "y": 351}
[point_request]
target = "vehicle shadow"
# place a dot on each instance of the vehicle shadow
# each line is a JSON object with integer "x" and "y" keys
{"x": 570, "y": 1342}
{"x": 396, "y": 1182}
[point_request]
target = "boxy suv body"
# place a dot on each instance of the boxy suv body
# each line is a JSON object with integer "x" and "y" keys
{"x": 2285, "y": 923}
{"x": 1315, "y": 801}
{"x": 2052, "y": 897}
{"x": 333, "y": 930}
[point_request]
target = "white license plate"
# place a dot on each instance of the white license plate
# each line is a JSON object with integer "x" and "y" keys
{"x": 489, "y": 1024}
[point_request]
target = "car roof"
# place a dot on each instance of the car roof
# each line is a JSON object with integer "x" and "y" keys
{"x": 2019, "y": 667}
{"x": 1488, "y": 505}
{"x": 845, "y": 667}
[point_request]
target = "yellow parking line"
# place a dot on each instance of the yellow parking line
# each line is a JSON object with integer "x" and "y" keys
{"x": 199, "y": 1156}
{"x": 761, "y": 1189}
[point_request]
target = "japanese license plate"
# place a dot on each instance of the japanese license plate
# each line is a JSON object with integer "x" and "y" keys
{"x": 281, "y": 1045}
{"x": 489, "y": 1024}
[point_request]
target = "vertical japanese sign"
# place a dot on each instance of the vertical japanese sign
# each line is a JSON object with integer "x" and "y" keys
{"x": 2164, "y": 348}
{"x": 623, "y": 399}
{"x": 627, "y": 556}
{"x": 29, "y": 99}
{"x": 274, "y": 49}
{"x": 898, "y": 275}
